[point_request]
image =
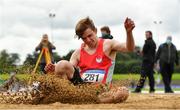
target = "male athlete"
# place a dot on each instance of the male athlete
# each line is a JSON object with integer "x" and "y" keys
{"x": 95, "y": 59}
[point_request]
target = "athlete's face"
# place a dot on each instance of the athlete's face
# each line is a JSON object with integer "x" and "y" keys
{"x": 89, "y": 37}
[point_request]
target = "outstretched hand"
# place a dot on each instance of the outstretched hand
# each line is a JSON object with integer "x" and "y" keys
{"x": 129, "y": 24}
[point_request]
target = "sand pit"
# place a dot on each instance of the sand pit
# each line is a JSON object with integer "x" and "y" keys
{"x": 59, "y": 94}
{"x": 135, "y": 101}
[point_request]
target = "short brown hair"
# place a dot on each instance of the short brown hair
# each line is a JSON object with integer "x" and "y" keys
{"x": 106, "y": 28}
{"x": 149, "y": 33}
{"x": 82, "y": 25}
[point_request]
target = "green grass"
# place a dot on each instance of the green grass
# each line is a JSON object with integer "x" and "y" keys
{"x": 176, "y": 76}
{"x": 20, "y": 76}
{"x": 157, "y": 89}
{"x": 125, "y": 76}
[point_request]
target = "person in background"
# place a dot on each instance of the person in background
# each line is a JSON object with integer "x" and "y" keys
{"x": 148, "y": 54}
{"x": 45, "y": 43}
{"x": 167, "y": 55}
{"x": 106, "y": 33}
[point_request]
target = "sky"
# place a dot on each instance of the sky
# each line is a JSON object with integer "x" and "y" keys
{"x": 23, "y": 22}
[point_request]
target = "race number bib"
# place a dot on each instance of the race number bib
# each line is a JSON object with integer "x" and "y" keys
{"x": 93, "y": 75}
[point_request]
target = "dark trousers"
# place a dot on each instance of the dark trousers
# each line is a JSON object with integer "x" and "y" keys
{"x": 167, "y": 70}
{"x": 42, "y": 66}
{"x": 146, "y": 71}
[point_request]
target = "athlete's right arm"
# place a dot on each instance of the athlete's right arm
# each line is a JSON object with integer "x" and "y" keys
{"x": 75, "y": 57}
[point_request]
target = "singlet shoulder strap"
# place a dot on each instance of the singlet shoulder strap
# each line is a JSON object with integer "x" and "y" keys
{"x": 100, "y": 45}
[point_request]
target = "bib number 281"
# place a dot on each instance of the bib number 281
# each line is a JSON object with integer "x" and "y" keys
{"x": 93, "y": 75}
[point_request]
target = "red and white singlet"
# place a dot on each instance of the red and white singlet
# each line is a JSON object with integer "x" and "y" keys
{"x": 96, "y": 67}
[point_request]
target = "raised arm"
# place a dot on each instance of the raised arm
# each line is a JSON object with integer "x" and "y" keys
{"x": 129, "y": 26}
{"x": 129, "y": 45}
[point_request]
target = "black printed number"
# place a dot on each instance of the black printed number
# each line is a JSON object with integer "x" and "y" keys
{"x": 91, "y": 77}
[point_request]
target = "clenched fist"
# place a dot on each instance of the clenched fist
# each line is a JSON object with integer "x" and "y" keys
{"x": 129, "y": 25}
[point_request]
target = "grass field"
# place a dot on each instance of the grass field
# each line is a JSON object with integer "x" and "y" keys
{"x": 20, "y": 76}
{"x": 176, "y": 76}
{"x": 175, "y": 79}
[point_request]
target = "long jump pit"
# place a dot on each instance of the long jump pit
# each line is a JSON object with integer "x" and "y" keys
{"x": 60, "y": 94}
{"x": 135, "y": 101}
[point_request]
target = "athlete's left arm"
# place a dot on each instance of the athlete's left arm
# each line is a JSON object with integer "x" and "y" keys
{"x": 129, "y": 45}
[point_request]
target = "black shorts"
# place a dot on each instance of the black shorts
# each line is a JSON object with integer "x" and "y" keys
{"x": 76, "y": 77}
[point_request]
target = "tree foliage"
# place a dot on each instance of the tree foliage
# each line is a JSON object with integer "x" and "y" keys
{"x": 8, "y": 61}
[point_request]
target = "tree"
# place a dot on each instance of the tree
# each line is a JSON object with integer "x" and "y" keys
{"x": 68, "y": 56}
{"x": 8, "y": 61}
{"x": 56, "y": 57}
{"x": 14, "y": 58}
{"x": 31, "y": 59}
